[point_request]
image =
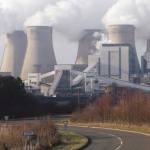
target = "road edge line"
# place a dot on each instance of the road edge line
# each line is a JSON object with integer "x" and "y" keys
{"x": 136, "y": 132}
{"x": 83, "y": 126}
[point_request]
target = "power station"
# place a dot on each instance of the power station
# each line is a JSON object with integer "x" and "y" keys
{"x": 99, "y": 62}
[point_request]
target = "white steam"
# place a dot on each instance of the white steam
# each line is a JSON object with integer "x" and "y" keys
{"x": 134, "y": 12}
{"x": 14, "y": 12}
{"x": 70, "y": 17}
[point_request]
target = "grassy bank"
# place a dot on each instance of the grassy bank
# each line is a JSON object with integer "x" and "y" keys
{"x": 70, "y": 141}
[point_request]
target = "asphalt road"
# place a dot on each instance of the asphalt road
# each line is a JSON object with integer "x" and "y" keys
{"x": 103, "y": 139}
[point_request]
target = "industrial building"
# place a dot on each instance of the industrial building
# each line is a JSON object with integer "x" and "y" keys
{"x": 40, "y": 56}
{"x": 97, "y": 65}
{"x": 125, "y": 34}
{"x": 113, "y": 61}
{"x": 14, "y": 53}
{"x": 118, "y": 58}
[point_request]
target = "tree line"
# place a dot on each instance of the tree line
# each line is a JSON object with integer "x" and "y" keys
{"x": 15, "y": 102}
{"x": 132, "y": 107}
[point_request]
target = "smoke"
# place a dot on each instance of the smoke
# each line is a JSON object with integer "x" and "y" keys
{"x": 134, "y": 12}
{"x": 66, "y": 16}
{"x": 70, "y": 17}
{"x": 14, "y": 12}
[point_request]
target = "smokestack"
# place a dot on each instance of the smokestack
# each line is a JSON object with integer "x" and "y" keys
{"x": 87, "y": 45}
{"x": 15, "y": 48}
{"x": 122, "y": 34}
{"x": 40, "y": 56}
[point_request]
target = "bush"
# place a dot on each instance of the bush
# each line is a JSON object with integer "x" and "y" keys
{"x": 132, "y": 108}
{"x": 12, "y": 134}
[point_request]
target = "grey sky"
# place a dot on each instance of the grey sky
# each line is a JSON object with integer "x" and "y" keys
{"x": 69, "y": 18}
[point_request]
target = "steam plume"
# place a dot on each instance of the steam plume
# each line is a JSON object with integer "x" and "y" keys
{"x": 133, "y": 12}
{"x": 70, "y": 17}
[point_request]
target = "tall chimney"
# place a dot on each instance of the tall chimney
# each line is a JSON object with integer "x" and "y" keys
{"x": 15, "y": 48}
{"x": 40, "y": 55}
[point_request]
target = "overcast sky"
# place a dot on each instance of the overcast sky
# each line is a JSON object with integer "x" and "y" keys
{"x": 70, "y": 17}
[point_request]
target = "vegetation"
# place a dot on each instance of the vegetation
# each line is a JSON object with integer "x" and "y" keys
{"x": 70, "y": 141}
{"x": 45, "y": 135}
{"x": 14, "y": 101}
{"x": 132, "y": 107}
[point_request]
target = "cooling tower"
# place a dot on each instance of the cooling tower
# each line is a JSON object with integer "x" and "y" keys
{"x": 125, "y": 34}
{"x": 40, "y": 56}
{"x": 121, "y": 34}
{"x": 87, "y": 45}
{"x": 15, "y": 48}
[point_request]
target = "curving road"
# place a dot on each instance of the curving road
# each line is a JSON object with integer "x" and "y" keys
{"x": 104, "y": 139}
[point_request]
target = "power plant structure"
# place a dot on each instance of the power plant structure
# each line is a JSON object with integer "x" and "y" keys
{"x": 125, "y": 35}
{"x": 121, "y": 34}
{"x": 112, "y": 62}
{"x": 40, "y": 56}
{"x": 87, "y": 44}
{"x": 15, "y": 49}
{"x": 99, "y": 63}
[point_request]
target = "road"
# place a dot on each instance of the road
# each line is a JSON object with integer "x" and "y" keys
{"x": 103, "y": 139}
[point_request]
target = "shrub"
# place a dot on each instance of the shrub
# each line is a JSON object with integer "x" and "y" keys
{"x": 132, "y": 107}
{"x": 12, "y": 134}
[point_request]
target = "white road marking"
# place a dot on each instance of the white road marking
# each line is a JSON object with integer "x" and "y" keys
{"x": 134, "y": 132}
{"x": 118, "y": 138}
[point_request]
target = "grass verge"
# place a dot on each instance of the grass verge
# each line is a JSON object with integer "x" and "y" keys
{"x": 71, "y": 141}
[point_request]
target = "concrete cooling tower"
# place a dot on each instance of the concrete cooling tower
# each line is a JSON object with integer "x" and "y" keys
{"x": 40, "y": 56}
{"x": 87, "y": 45}
{"x": 125, "y": 34}
{"x": 121, "y": 34}
{"x": 15, "y": 48}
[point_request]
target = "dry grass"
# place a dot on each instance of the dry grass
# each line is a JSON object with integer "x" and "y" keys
{"x": 71, "y": 141}
{"x": 12, "y": 134}
{"x": 132, "y": 108}
{"x": 130, "y": 112}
